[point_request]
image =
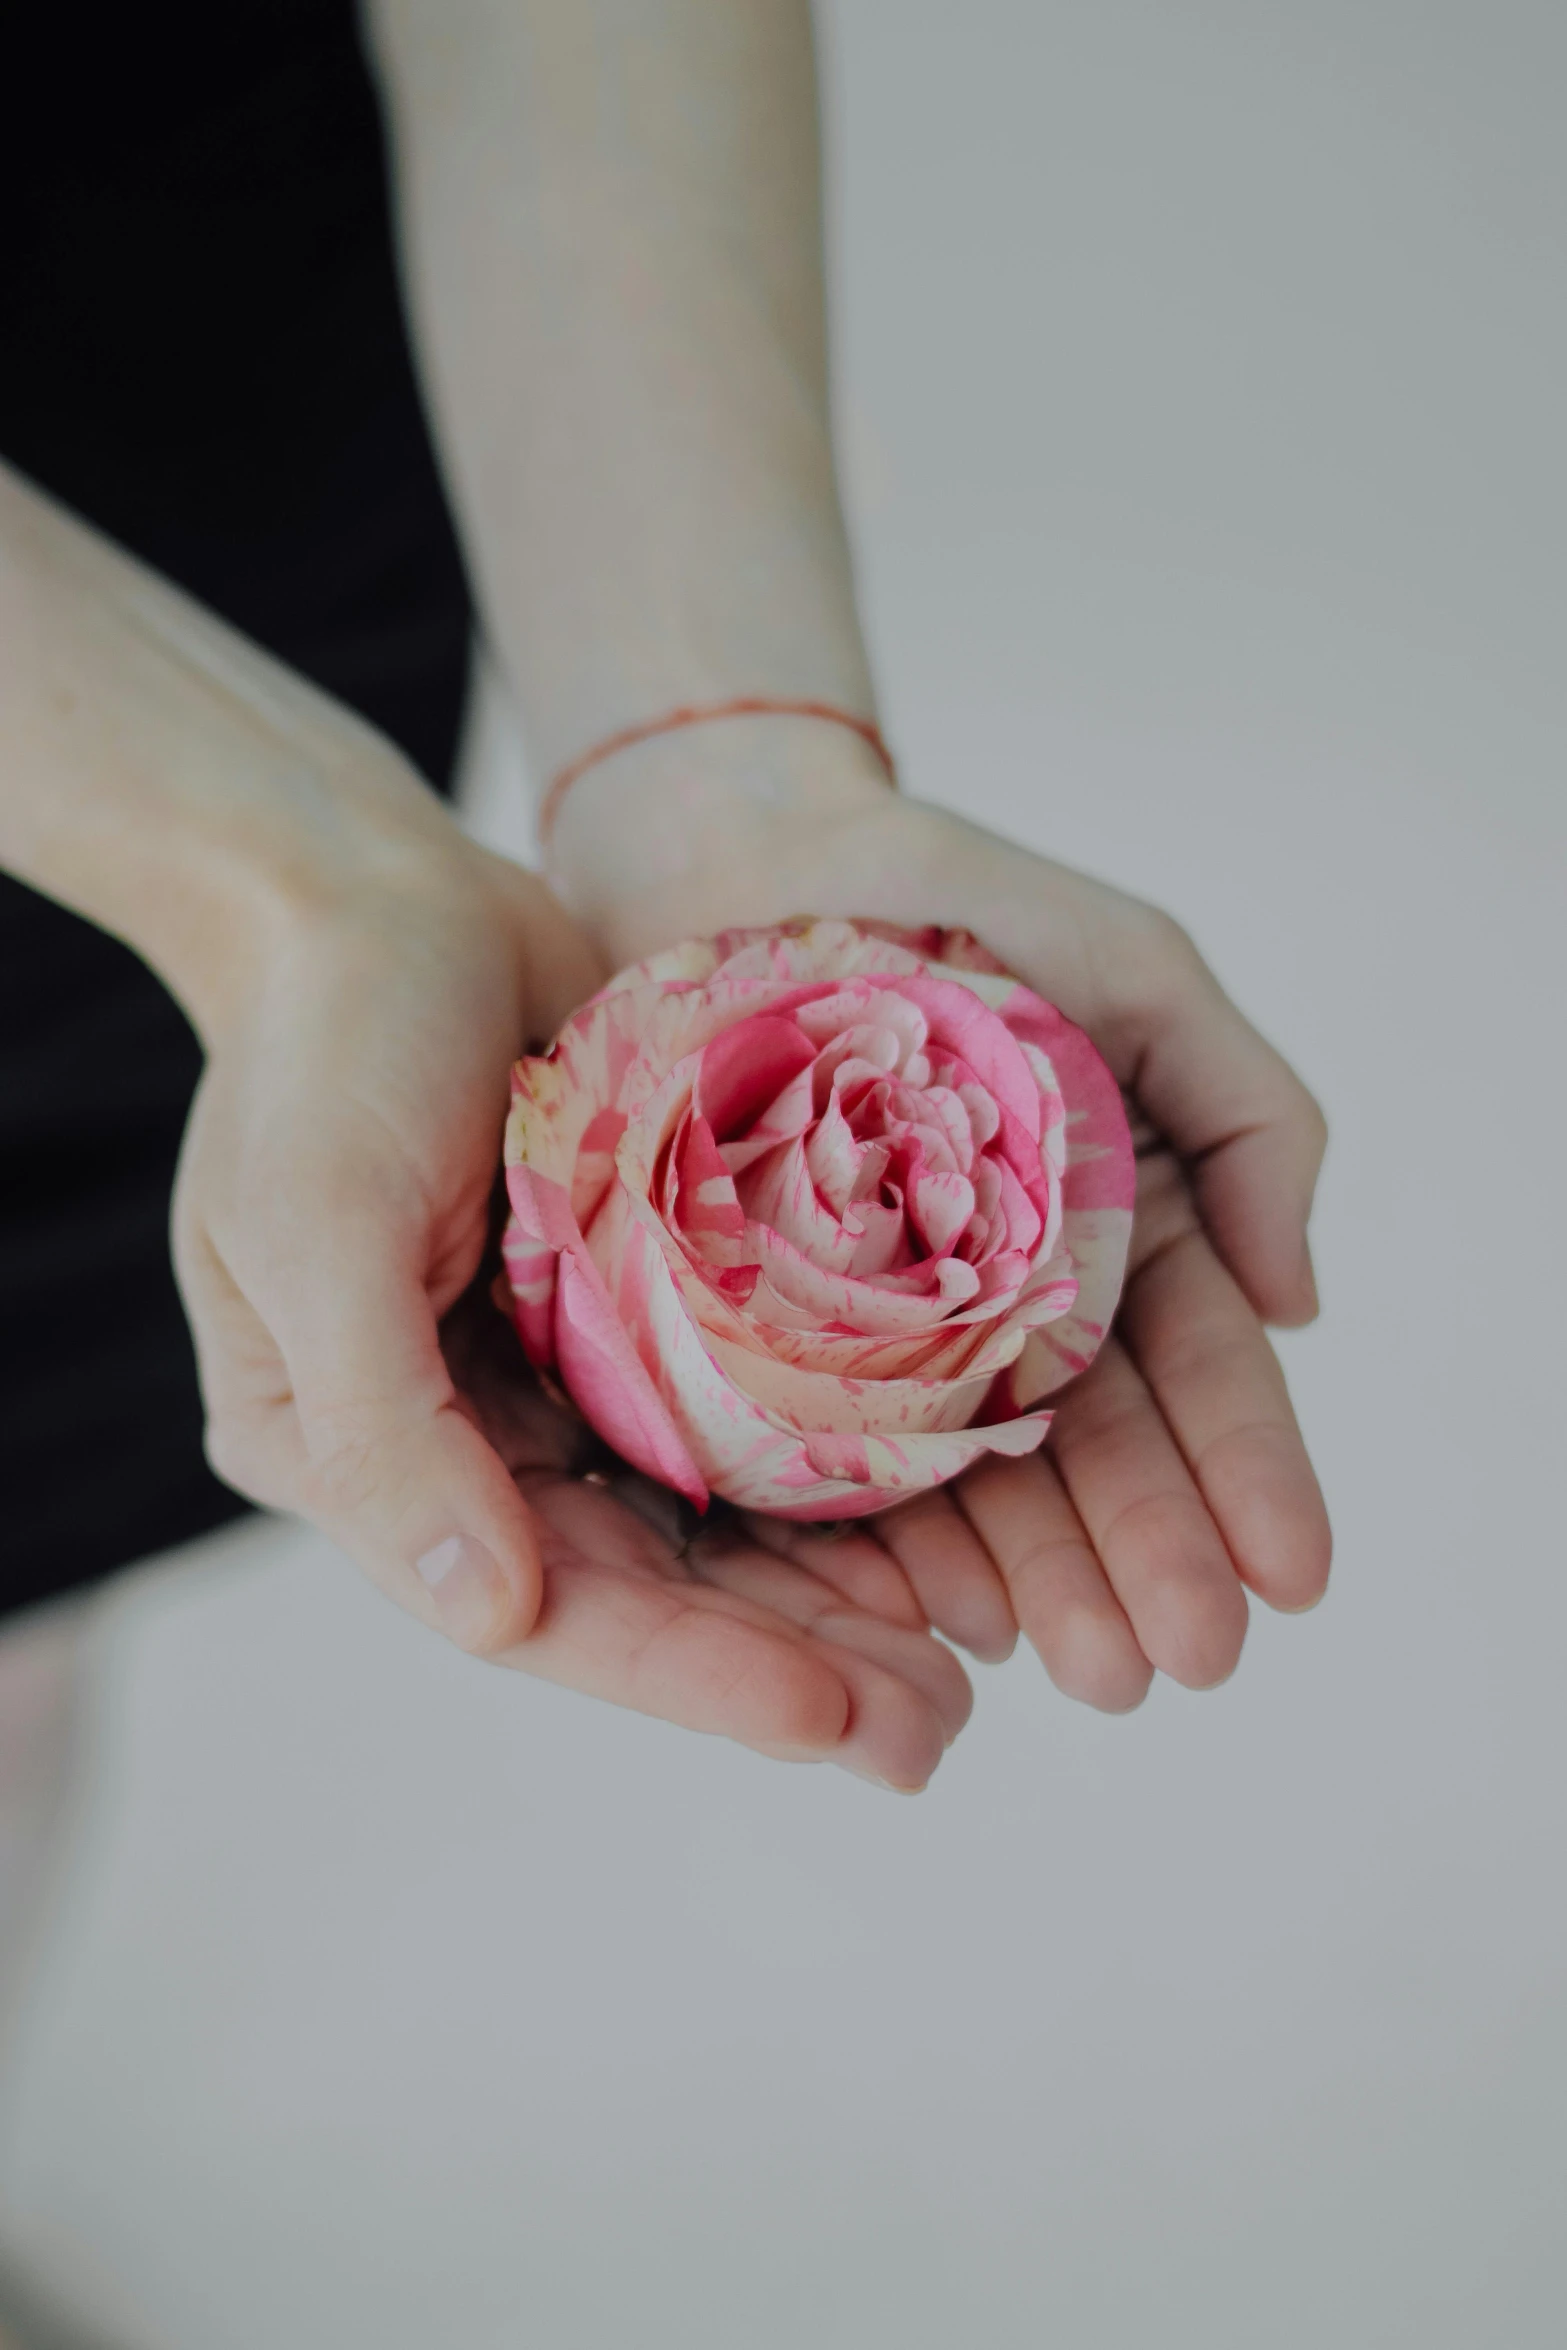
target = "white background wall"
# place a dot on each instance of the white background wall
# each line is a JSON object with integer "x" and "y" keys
{"x": 1202, "y": 375}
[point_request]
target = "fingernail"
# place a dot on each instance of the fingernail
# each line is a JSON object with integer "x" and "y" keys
{"x": 465, "y": 1581}
{"x": 987, "y": 1648}
{"x": 875, "y": 1779}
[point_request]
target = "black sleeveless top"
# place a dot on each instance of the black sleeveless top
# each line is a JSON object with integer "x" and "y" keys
{"x": 202, "y": 351}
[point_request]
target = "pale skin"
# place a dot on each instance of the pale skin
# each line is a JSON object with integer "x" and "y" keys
{"x": 610, "y": 217}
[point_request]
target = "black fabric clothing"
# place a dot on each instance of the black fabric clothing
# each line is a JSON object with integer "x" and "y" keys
{"x": 203, "y": 352}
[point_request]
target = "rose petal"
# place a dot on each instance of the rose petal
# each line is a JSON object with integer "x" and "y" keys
{"x": 962, "y": 1025}
{"x": 959, "y": 1113}
{"x": 869, "y": 1407}
{"x": 747, "y": 1067}
{"x": 610, "y": 1386}
{"x": 836, "y": 1159}
{"x": 589, "y": 1338}
{"x": 882, "y": 1245}
{"x": 1098, "y": 1187}
{"x": 887, "y": 1303}
{"x": 700, "y": 1200}
{"x": 744, "y": 1452}
{"x": 863, "y": 1004}
{"x": 779, "y": 1193}
{"x": 940, "y": 1205}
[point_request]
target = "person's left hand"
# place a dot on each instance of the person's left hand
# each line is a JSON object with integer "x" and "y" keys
{"x": 823, "y": 1655}
{"x": 333, "y": 1210}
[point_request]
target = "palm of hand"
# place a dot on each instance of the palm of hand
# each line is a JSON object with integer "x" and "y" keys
{"x": 821, "y": 1654}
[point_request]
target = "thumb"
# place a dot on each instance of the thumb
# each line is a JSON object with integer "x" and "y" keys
{"x": 390, "y": 1464}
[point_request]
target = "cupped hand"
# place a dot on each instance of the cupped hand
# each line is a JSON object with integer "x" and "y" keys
{"x": 822, "y": 1654}
{"x": 1174, "y": 1481}
{"x": 333, "y": 1199}
{"x": 334, "y": 1206}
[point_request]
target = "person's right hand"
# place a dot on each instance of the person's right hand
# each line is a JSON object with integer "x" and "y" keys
{"x": 1174, "y": 1481}
{"x": 334, "y": 1203}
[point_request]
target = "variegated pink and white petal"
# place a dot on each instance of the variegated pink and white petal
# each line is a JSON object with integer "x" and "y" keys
{"x": 949, "y": 1348}
{"x": 1097, "y": 1240}
{"x": 960, "y": 1025}
{"x": 689, "y": 963}
{"x": 1098, "y": 1189}
{"x": 557, "y": 1096}
{"x": 588, "y": 1339}
{"x": 947, "y": 1352}
{"x": 563, "y": 1127}
{"x": 811, "y": 950}
{"x": 892, "y": 1468}
{"x": 861, "y": 1407}
{"x": 746, "y": 1453}
{"x": 967, "y": 1358}
{"x": 532, "y": 1276}
{"x": 830, "y": 1202}
{"x": 602, "y": 1371}
{"x": 690, "y": 1019}
{"x": 796, "y": 1291}
{"x": 685, "y": 1024}
{"x": 890, "y": 1305}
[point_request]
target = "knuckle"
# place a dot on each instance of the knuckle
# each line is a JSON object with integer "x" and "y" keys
{"x": 346, "y": 1474}
{"x": 1156, "y": 969}
{"x": 1313, "y": 1123}
{"x": 1171, "y": 943}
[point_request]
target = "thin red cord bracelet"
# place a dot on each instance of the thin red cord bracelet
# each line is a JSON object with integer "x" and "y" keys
{"x": 698, "y": 714}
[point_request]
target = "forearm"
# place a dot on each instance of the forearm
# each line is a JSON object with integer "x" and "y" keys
{"x": 162, "y": 775}
{"x": 612, "y": 224}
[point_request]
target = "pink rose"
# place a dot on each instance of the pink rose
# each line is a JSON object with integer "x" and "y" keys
{"x": 814, "y": 1217}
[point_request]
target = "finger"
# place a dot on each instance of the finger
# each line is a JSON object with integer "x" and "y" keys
{"x": 1251, "y": 1135}
{"x": 893, "y": 1736}
{"x": 619, "y": 1622}
{"x": 690, "y": 1656}
{"x": 621, "y": 1625}
{"x": 1021, "y": 1511}
{"x": 852, "y": 1563}
{"x": 393, "y": 1468}
{"x": 1160, "y": 1549}
{"x": 1217, "y": 1381}
{"x": 952, "y": 1574}
{"x": 252, "y": 1436}
{"x": 787, "y": 1591}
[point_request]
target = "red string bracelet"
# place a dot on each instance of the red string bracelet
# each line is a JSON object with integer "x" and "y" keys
{"x": 698, "y": 714}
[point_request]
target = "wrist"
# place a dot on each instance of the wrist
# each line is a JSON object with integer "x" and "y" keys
{"x": 346, "y": 841}
{"x": 170, "y": 781}
{"x": 711, "y": 825}
{"x": 298, "y": 828}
